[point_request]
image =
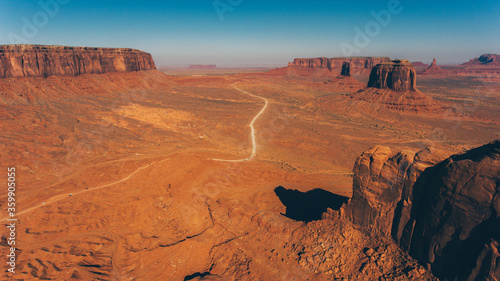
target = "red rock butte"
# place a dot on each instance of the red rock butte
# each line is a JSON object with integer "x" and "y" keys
{"x": 44, "y": 61}
{"x": 397, "y": 75}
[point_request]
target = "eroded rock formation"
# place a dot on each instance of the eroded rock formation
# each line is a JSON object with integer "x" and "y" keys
{"x": 346, "y": 69}
{"x": 433, "y": 69}
{"x": 393, "y": 85}
{"x": 44, "y": 61}
{"x": 397, "y": 75}
{"x": 445, "y": 214}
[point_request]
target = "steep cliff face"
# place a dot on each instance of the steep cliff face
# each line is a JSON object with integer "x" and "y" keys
{"x": 445, "y": 213}
{"x": 382, "y": 181}
{"x": 397, "y": 75}
{"x": 44, "y": 61}
{"x": 356, "y": 63}
{"x": 456, "y": 216}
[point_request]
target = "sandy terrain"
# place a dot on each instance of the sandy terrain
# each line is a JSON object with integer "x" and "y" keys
{"x": 148, "y": 202}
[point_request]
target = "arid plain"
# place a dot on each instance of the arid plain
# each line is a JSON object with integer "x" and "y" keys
{"x": 117, "y": 179}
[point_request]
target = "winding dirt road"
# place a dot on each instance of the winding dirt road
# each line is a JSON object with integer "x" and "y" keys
{"x": 70, "y": 195}
{"x": 67, "y": 195}
{"x": 252, "y": 129}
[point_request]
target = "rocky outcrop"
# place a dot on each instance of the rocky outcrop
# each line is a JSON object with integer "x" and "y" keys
{"x": 433, "y": 69}
{"x": 445, "y": 214}
{"x": 397, "y": 75}
{"x": 484, "y": 61}
{"x": 44, "y": 61}
{"x": 346, "y": 69}
{"x": 356, "y": 63}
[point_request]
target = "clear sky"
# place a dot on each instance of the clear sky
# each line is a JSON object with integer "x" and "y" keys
{"x": 257, "y": 32}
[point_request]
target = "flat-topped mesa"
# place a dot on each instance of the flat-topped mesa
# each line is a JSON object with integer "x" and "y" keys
{"x": 356, "y": 63}
{"x": 44, "y": 61}
{"x": 346, "y": 69}
{"x": 396, "y": 75}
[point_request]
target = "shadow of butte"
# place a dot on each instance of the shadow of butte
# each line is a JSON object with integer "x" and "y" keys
{"x": 308, "y": 206}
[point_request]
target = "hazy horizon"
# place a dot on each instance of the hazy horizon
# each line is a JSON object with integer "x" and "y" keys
{"x": 242, "y": 33}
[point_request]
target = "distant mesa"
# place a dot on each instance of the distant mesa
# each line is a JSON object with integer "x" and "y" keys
{"x": 44, "y": 61}
{"x": 202, "y": 66}
{"x": 346, "y": 69}
{"x": 336, "y": 63}
{"x": 484, "y": 60}
{"x": 419, "y": 65}
{"x": 323, "y": 66}
{"x": 397, "y": 75}
{"x": 433, "y": 69}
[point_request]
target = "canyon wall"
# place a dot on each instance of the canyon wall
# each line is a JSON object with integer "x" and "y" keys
{"x": 444, "y": 213}
{"x": 44, "y": 61}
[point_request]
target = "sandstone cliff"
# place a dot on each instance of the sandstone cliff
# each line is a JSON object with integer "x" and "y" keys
{"x": 445, "y": 213}
{"x": 397, "y": 75}
{"x": 44, "y": 61}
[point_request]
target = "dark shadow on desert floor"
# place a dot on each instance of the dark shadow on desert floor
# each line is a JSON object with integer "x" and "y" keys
{"x": 308, "y": 206}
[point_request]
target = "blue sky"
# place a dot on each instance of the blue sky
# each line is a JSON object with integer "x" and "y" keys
{"x": 259, "y": 33}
